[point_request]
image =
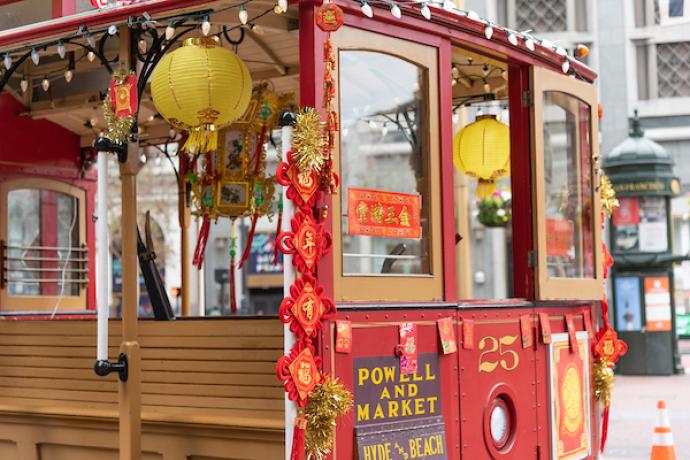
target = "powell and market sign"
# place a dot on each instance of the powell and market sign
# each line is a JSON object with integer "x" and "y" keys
{"x": 398, "y": 417}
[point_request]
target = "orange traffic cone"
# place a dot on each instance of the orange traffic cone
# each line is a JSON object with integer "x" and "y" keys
{"x": 662, "y": 446}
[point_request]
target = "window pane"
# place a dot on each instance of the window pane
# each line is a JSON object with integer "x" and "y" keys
{"x": 43, "y": 243}
{"x": 568, "y": 185}
{"x": 541, "y": 15}
{"x": 23, "y": 12}
{"x": 384, "y": 165}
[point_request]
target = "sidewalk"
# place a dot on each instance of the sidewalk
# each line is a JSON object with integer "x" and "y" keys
{"x": 634, "y": 413}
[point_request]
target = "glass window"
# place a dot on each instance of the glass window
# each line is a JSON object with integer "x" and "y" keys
{"x": 43, "y": 245}
{"x": 384, "y": 165}
{"x": 23, "y": 12}
{"x": 568, "y": 186}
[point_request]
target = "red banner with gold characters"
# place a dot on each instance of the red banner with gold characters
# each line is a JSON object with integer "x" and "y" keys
{"x": 570, "y": 389}
{"x": 383, "y": 214}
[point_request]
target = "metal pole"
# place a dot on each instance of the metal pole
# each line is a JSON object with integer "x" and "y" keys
{"x": 288, "y": 279}
{"x": 102, "y": 259}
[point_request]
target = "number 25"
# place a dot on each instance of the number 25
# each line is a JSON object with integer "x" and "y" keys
{"x": 490, "y": 344}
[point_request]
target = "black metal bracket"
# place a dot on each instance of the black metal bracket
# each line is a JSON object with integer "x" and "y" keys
{"x": 103, "y": 144}
{"x": 104, "y": 368}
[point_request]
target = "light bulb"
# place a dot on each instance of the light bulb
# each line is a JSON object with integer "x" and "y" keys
{"x": 170, "y": 32}
{"x": 512, "y": 38}
{"x": 488, "y": 32}
{"x": 455, "y": 72}
{"x": 68, "y": 75}
{"x": 24, "y": 85}
{"x": 547, "y": 44}
{"x": 561, "y": 51}
{"x": 529, "y": 43}
{"x": 283, "y": 4}
{"x": 454, "y": 82}
{"x": 426, "y": 12}
{"x": 372, "y": 124}
{"x": 61, "y": 49}
{"x": 487, "y": 87}
{"x": 485, "y": 70}
{"x": 45, "y": 84}
{"x": 142, "y": 45}
{"x": 8, "y": 61}
{"x": 448, "y": 5}
{"x": 565, "y": 66}
{"x": 91, "y": 40}
{"x": 384, "y": 130}
{"x": 257, "y": 29}
{"x": 91, "y": 56}
{"x": 142, "y": 157}
{"x": 172, "y": 133}
{"x": 244, "y": 16}
{"x": 366, "y": 10}
{"x": 205, "y": 26}
{"x": 112, "y": 30}
{"x": 278, "y": 10}
{"x": 473, "y": 15}
{"x": 35, "y": 57}
{"x": 395, "y": 11}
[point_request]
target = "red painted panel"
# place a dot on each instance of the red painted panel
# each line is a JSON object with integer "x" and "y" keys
{"x": 42, "y": 149}
{"x": 375, "y": 334}
{"x": 497, "y": 368}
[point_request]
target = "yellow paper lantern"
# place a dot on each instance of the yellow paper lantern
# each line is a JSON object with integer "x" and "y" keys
{"x": 201, "y": 87}
{"x": 482, "y": 151}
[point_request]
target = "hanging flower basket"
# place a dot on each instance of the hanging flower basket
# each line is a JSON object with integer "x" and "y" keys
{"x": 495, "y": 210}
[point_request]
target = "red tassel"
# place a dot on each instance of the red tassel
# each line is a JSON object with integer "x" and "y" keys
{"x": 231, "y": 293}
{"x": 201, "y": 241}
{"x": 250, "y": 238}
{"x": 298, "y": 439}
{"x": 604, "y": 428}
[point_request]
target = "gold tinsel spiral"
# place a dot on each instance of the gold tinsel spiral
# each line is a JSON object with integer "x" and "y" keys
{"x": 603, "y": 381}
{"x": 118, "y": 128}
{"x": 329, "y": 401}
{"x": 609, "y": 202}
{"x": 308, "y": 141}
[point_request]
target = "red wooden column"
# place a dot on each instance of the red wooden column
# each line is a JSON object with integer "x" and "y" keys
{"x": 64, "y": 8}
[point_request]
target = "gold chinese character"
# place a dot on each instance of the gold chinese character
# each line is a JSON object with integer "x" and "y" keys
{"x": 404, "y": 217}
{"x": 305, "y": 179}
{"x": 390, "y": 215}
{"x": 377, "y": 213}
{"x": 309, "y": 245}
{"x": 308, "y": 308}
{"x": 362, "y": 210}
{"x": 304, "y": 373}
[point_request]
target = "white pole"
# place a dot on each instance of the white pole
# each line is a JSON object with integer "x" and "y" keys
{"x": 288, "y": 279}
{"x": 102, "y": 303}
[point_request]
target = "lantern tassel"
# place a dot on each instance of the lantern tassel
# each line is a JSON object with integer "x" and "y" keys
{"x": 298, "y": 439}
{"x": 233, "y": 253}
{"x": 201, "y": 241}
{"x": 250, "y": 239}
{"x": 202, "y": 139}
{"x": 485, "y": 188}
{"x": 604, "y": 428}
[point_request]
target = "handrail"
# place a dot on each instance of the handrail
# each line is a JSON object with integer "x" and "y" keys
{"x": 52, "y": 269}
{"x": 48, "y": 248}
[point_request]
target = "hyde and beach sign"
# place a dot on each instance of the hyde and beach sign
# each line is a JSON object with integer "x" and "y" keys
{"x": 398, "y": 417}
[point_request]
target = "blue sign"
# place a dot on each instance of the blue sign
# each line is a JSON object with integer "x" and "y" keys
{"x": 628, "y": 303}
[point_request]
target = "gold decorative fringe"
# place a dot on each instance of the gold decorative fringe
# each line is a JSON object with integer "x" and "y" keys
{"x": 308, "y": 141}
{"x": 603, "y": 381}
{"x": 202, "y": 139}
{"x": 328, "y": 401}
{"x": 609, "y": 202}
{"x": 118, "y": 128}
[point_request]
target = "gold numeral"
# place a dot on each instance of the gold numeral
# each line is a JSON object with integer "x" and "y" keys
{"x": 509, "y": 359}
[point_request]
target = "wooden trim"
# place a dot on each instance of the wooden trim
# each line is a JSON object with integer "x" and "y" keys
{"x": 563, "y": 288}
{"x": 401, "y": 288}
{"x": 37, "y": 303}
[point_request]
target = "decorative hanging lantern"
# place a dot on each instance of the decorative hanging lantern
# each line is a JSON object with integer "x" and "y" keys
{"x": 482, "y": 151}
{"x": 201, "y": 87}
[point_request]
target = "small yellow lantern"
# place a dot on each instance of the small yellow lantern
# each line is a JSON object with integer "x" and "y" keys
{"x": 482, "y": 151}
{"x": 201, "y": 87}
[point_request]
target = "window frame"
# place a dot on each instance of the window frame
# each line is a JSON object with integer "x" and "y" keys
{"x": 40, "y": 303}
{"x": 375, "y": 287}
{"x": 548, "y": 288}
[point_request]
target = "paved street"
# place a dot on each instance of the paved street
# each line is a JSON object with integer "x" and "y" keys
{"x": 634, "y": 413}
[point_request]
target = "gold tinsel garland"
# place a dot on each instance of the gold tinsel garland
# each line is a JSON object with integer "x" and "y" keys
{"x": 118, "y": 128}
{"x": 308, "y": 141}
{"x": 609, "y": 202}
{"x": 603, "y": 381}
{"x": 329, "y": 401}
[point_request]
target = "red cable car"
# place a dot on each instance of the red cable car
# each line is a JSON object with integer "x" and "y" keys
{"x": 469, "y": 298}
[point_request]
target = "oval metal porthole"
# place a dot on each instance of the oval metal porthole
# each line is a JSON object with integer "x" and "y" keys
{"x": 500, "y": 425}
